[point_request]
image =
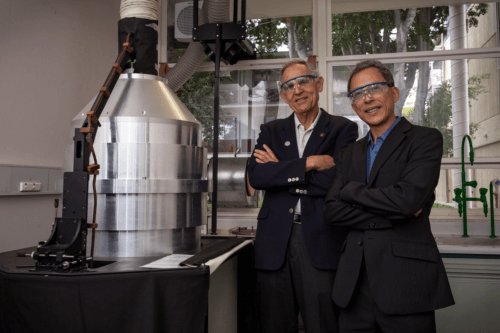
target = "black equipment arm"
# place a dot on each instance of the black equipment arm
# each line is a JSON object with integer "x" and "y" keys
{"x": 221, "y": 41}
{"x": 65, "y": 250}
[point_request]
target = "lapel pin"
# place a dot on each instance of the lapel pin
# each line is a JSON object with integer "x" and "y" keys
{"x": 322, "y": 135}
{"x": 287, "y": 143}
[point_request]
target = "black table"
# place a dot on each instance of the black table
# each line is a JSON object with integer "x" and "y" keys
{"x": 117, "y": 297}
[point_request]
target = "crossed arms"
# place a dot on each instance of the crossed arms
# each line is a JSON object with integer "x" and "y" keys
{"x": 359, "y": 206}
{"x": 312, "y": 174}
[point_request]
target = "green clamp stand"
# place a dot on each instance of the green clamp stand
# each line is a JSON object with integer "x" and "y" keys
{"x": 461, "y": 194}
{"x": 492, "y": 212}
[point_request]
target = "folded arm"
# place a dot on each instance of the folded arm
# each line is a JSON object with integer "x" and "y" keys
{"x": 343, "y": 214}
{"x": 418, "y": 180}
{"x": 318, "y": 181}
{"x": 265, "y": 175}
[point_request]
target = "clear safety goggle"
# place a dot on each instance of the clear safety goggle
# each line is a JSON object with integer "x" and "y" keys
{"x": 300, "y": 81}
{"x": 370, "y": 90}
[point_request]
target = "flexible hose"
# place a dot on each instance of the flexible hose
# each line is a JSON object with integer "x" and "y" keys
{"x": 145, "y": 9}
{"x": 212, "y": 11}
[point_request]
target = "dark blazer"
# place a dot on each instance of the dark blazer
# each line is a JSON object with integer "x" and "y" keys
{"x": 403, "y": 263}
{"x": 286, "y": 181}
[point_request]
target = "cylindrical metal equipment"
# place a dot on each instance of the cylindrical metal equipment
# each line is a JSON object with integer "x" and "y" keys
{"x": 233, "y": 188}
{"x": 152, "y": 187}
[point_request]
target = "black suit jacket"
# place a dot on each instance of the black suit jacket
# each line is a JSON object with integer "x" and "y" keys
{"x": 286, "y": 181}
{"x": 403, "y": 263}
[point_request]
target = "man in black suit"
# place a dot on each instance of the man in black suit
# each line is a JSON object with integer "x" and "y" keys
{"x": 390, "y": 277}
{"x": 296, "y": 252}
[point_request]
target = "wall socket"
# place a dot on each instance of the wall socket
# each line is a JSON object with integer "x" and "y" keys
{"x": 30, "y": 187}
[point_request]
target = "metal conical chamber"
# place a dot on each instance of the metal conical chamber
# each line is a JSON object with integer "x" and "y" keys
{"x": 152, "y": 185}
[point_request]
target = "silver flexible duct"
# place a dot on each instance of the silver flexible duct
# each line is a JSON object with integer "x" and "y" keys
{"x": 459, "y": 88}
{"x": 212, "y": 11}
{"x": 145, "y": 9}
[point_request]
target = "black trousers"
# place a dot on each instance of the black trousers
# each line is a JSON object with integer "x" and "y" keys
{"x": 296, "y": 286}
{"x": 363, "y": 316}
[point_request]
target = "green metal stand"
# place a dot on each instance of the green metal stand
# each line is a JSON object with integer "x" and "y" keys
{"x": 461, "y": 194}
{"x": 492, "y": 212}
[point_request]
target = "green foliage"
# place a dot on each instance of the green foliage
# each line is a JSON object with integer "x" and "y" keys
{"x": 438, "y": 113}
{"x": 370, "y": 32}
{"x": 475, "y": 86}
{"x": 269, "y": 34}
{"x": 197, "y": 95}
{"x": 474, "y": 12}
{"x": 303, "y": 28}
{"x": 352, "y": 32}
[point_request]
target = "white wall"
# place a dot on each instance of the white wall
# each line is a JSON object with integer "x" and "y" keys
{"x": 54, "y": 57}
{"x": 26, "y": 220}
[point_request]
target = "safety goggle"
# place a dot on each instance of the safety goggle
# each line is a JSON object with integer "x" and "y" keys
{"x": 370, "y": 90}
{"x": 300, "y": 81}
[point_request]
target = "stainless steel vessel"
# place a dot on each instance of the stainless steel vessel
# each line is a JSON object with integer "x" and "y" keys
{"x": 234, "y": 189}
{"x": 152, "y": 187}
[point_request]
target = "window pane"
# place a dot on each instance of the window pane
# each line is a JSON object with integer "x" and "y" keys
{"x": 429, "y": 29}
{"x": 431, "y": 96}
{"x": 247, "y": 100}
{"x": 283, "y": 30}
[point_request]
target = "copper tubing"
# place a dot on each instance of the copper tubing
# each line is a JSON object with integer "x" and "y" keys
{"x": 91, "y": 118}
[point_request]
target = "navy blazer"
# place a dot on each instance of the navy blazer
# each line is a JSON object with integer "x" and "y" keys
{"x": 404, "y": 267}
{"x": 286, "y": 181}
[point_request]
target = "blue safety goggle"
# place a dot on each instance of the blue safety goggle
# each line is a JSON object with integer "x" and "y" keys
{"x": 389, "y": 84}
{"x": 295, "y": 78}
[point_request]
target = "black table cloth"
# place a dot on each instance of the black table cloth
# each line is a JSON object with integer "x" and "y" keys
{"x": 121, "y": 297}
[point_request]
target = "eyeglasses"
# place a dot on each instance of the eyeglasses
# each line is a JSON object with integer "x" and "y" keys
{"x": 371, "y": 89}
{"x": 300, "y": 81}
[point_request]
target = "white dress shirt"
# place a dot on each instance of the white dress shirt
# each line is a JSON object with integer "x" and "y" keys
{"x": 302, "y": 138}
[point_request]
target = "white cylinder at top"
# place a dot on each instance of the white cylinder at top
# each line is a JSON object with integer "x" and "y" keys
{"x": 145, "y": 9}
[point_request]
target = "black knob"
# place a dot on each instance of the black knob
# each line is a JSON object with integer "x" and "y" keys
{"x": 56, "y": 203}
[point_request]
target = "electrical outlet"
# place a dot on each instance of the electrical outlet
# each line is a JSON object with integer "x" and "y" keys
{"x": 30, "y": 187}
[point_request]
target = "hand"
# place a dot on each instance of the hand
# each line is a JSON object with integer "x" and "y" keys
{"x": 319, "y": 162}
{"x": 418, "y": 213}
{"x": 265, "y": 156}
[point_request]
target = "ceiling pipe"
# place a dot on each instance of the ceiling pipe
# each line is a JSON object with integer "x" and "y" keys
{"x": 212, "y": 11}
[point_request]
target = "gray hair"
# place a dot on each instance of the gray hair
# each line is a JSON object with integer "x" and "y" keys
{"x": 311, "y": 67}
{"x": 386, "y": 73}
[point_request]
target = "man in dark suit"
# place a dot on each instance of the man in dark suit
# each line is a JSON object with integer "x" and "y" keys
{"x": 296, "y": 252}
{"x": 390, "y": 277}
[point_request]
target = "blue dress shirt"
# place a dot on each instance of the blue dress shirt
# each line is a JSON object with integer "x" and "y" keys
{"x": 373, "y": 149}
